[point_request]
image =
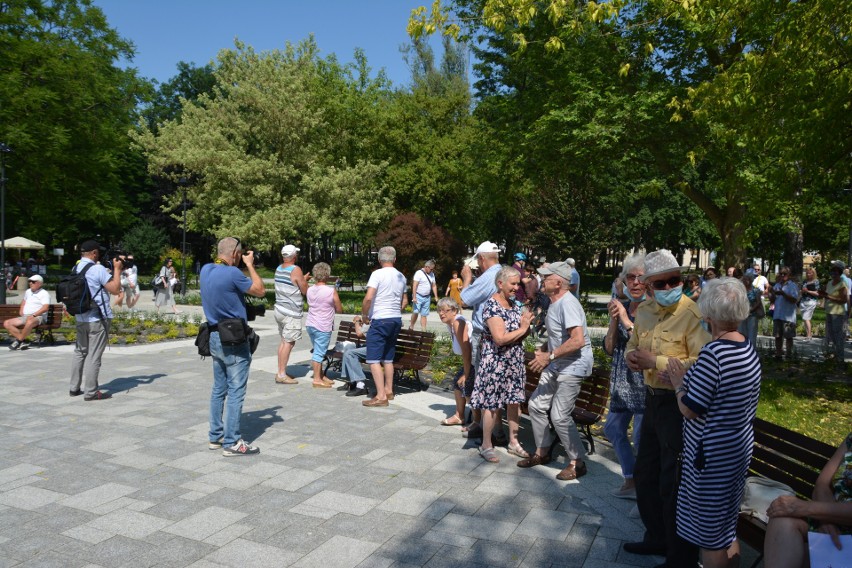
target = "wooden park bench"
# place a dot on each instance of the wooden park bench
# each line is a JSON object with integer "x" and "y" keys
{"x": 589, "y": 407}
{"x": 333, "y": 357}
{"x": 44, "y": 331}
{"x": 786, "y": 456}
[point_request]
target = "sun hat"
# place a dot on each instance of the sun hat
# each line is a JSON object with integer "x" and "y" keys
{"x": 487, "y": 247}
{"x": 660, "y": 262}
{"x": 288, "y": 250}
{"x": 562, "y": 269}
{"x": 35, "y": 278}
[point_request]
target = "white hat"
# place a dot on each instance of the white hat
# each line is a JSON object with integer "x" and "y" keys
{"x": 486, "y": 247}
{"x": 570, "y": 261}
{"x": 288, "y": 250}
{"x": 36, "y": 278}
{"x": 660, "y": 262}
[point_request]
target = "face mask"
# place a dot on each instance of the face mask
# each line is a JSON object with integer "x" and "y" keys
{"x": 632, "y": 299}
{"x": 668, "y": 298}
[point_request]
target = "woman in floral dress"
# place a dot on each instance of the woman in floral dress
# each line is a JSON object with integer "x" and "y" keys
{"x": 501, "y": 374}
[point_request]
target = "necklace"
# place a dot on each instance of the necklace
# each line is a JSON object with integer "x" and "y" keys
{"x": 723, "y": 335}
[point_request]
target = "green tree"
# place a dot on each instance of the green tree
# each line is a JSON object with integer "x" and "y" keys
{"x": 146, "y": 243}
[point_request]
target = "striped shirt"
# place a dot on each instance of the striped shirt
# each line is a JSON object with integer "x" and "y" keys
{"x": 723, "y": 387}
{"x": 288, "y": 297}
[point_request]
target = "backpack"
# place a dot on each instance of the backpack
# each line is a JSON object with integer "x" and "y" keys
{"x": 73, "y": 291}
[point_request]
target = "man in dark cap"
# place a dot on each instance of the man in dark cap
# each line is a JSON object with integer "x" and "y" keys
{"x": 93, "y": 325}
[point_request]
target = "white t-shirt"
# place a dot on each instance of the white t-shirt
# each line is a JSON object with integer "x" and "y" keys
{"x": 760, "y": 282}
{"x": 389, "y": 284}
{"x": 33, "y": 302}
{"x": 424, "y": 282}
{"x": 562, "y": 315}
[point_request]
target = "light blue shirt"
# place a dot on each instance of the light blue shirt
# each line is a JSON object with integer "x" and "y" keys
{"x": 848, "y": 287}
{"x": 96, "y": 277}
{"x": 785, "y": 310}
{"x": 575, "y": 280}
{"x": 478, "y": 292}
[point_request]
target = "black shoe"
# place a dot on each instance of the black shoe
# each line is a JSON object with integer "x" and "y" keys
{"x": 15, "y": 344}
{"x": 24, "y": 345}
{"x": 77, "y": 392}
{"x": 645, "y": 548}
{"x": 99, "y": 395}
{"x": 346, "y": 386}
{"x": 357, "y": 392}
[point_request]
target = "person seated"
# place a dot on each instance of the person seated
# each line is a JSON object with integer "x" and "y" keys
{"x": 786, "y": 544}
{"x": 350, "y": 367}
{"x": 33, "y": 313}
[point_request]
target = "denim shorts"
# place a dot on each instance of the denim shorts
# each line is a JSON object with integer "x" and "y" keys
{"x": 319, "y": 339}
{"x": 467, "y": 388}
{"x": 421, "y": 305}
{"x": 381, "y": 340}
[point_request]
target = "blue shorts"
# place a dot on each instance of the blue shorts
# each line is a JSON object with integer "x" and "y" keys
{"x": 381, "y": 340}
{"x": 421, "y": 305}
{"x": 319, "y": 340}
{"x": 467, "y": 389}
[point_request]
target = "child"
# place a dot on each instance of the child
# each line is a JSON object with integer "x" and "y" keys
{"x": 323, "y": 302}
{"x": 460, "y": 330}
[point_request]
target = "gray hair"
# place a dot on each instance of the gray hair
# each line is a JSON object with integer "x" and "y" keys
{"x": 505, "y": 273}
{"x": 724, "y": 300}
{"x": 227, "y": 246}
{"x": 448, "y": 303}
{"x": 387, "y": 254}
{"x": 631, "y": 262}
{"x": 321, "y": 272}
{"x": 429, "y": 264}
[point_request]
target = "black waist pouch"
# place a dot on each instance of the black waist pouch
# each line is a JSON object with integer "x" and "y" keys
{"x": 233, "y": 331}
{"x": 202, "y": 340}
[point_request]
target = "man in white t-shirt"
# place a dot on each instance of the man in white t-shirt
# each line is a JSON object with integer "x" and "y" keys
{"x": 760, "y": 281}
{"x": 33, "y": 312}
{"x": 423, "y": 288}
{"x": 382, "y": 311}
{"x": 564, "y": 365}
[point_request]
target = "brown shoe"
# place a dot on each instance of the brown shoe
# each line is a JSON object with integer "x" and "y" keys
{"x": 321, "y": 386}
{"x": 286, "y": 380}
{"x": 390, "y": 396}
{"x": 374, "y": 402}
{"x": 533, "y": 460}
{"x": 572, "y": 471}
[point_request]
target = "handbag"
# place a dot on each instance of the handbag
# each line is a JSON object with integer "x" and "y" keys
{"x": 202, "y": 340}
{"x": 233, "y": 331}
{"x": 253, "y": 339}
{"x": 759, "y": 493}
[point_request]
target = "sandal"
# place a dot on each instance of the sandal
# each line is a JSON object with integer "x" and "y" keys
{"x": 517, "y": 450}
{"x": 489, "y": 455}
{"x": 451, "y": 421}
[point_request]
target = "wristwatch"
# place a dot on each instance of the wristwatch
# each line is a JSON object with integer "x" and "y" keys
{"x": 552, "y": 356}
{"x": 679, "y": 390}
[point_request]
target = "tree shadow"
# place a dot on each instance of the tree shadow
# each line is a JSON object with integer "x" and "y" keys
{"x": 122, "y": 384}
{"x": 255, "y": 422}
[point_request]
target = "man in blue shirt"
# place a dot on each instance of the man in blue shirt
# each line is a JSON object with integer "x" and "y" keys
{"x": 222, "y": 288}
{"x": 93, "y": 326}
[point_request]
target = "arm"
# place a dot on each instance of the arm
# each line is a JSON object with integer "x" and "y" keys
{"x": 435, "y": 292}
{"x": 257, "y": 289}
{"x": 338, "y": 307}
{"x": 466, "y": 276}
{"x": 574, "y": 343}
{"x": 359, "y": 329}
{"x": 113, "y": 285}
{"x": 367, "y": 304}
{"x": 299, "y": 279}
{"x": 460, "y": 328}
{"x": 617, "y": 314}
{"x": 676, "y": 371}
{"x": 497, "y": 327}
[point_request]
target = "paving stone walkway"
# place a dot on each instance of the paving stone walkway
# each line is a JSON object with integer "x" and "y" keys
{"x": 130, "y": 481}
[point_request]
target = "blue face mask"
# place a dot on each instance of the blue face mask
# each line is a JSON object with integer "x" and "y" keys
{"x": 668, "y": 298}
{"x": 632, "y": 299}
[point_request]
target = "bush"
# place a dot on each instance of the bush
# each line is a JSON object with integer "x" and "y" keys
{"x": 145, "y": 242}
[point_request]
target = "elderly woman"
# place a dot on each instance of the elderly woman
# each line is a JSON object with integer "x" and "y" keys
{"x": 836, "y": 295}
{"x": 501, "y": 374}
{"x": 831, "y": 510}
{"x": 460, "y": 330}
{"x": 718, "y": 399}
{"x": 627, "y": 388}
{"x": 748, "y": 327}
{"x": 165, "y": 295}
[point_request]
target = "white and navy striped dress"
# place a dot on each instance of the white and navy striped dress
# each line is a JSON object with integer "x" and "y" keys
{"x": 723, "y": 387}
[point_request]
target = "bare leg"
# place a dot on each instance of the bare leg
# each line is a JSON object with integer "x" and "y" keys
{"x": 729, "y": 558}
{"x": 317, "y": 367}
{"x": 13, "y": 329}
{"x": 513, "y": 413}
{"x": 786, "y": 543}
{"x": 413, "y": 320}
{"x": 131, "y": 301}
{"x": 808, "y": 329}
{"x": 379, "y": 380}
{"x": 423, "y": 323}
{"x": 489, "y": 418}
{"x": 388, "y": 378}
{"x": 284, "y": 349}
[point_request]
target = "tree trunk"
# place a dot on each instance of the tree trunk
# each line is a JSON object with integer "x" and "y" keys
{"x": 794, "y": 250}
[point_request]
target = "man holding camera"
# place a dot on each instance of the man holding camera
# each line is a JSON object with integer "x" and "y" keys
{"x": 93, "y": 325}
{"x": 223, "y": 286}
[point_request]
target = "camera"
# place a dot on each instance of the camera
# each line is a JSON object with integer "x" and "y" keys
{"x": 254, "y": 310}
{"x": 110, "y": 255}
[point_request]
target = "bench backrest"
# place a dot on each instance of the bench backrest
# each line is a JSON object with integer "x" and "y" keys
{"x": 413, "y": 349}
{"x": 594, "y": 393}
{"x": 346, "y": 332}
{"x": 53, "y": 315}
{"x": 788, "y": 457}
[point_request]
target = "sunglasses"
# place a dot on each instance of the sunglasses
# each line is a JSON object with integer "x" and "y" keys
{"x": 671, "y": 282}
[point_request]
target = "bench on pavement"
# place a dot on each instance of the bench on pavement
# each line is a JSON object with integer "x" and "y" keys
{"x": 333, "y": 357}
{"x": 786, "y": 456}
{"x": 53, "y": 320}
{"x": 345, "y": 285}
{"x": 589, "y": 407}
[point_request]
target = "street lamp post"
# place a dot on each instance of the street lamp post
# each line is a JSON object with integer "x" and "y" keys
{"x": 4, "y": 149}
{"x": 183, "y": 182}
{"x": 849, "y": 252}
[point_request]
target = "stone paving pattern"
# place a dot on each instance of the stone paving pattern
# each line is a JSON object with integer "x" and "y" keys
{"x": 130, "y": 481}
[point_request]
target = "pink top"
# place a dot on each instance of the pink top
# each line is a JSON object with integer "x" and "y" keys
{"x": 321, "y": 307}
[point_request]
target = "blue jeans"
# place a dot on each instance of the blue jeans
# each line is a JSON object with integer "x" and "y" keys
{"x": 351, "y": 366}
{"x": 616, "y": 432}
{"x": 230, "y": 375}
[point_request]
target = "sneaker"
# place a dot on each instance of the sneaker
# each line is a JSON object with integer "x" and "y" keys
{"x": 240, "y": 449}
{"x": 217, "y": 445}
{"x": 15, "y": 344}
{"x": 98, "y": 395}
{"x": 24, "y": 345}
{"x": 77, "y": 392}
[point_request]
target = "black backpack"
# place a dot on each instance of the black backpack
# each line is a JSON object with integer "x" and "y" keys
{"x": 73, "y": 291}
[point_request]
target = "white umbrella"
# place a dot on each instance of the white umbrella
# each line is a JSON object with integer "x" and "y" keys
{"x": 22, "y": 243}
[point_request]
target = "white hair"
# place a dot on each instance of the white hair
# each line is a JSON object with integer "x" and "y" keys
{"x": 387, "y": 254}
{"x": 724, "y": 300}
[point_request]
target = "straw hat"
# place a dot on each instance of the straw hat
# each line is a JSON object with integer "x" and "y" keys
{"x": 660, "y": 262}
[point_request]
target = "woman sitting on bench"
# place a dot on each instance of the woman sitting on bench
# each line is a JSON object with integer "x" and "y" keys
{"x": 830, "y": 511}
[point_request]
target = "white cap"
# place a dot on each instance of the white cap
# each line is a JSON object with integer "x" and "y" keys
{"x": 486, "y": 247}
{"x": 288, "y": 250}
{"x": 570, "y": 261}
{"x": 35, "y": 278}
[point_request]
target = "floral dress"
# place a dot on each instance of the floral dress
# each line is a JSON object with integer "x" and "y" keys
{"x": 841, "y": 482}
{"x": 500, "y": 374}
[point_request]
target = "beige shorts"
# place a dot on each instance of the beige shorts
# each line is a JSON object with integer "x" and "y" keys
{"x": 289, "y": 327}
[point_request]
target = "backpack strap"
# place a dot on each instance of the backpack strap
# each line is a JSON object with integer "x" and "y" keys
{"x": 100, "y": 290}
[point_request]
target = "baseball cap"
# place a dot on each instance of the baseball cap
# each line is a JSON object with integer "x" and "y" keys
{"x": 90, "y": 245}
{"x": 35, "y": 278}
{"x": 487, "y": 247}
{"x": 520, "y": 256}
{"x": 570, "y": 261}
{"x": 288, "y": 250}
{"x": 561, "y": 269}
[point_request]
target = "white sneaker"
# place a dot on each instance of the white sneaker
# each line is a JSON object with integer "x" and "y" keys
{"x": 240, "y": 449}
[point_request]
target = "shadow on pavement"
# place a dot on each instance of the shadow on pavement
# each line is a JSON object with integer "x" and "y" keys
{"x": 122, "y": 384}
{"x": 254, "y": 423}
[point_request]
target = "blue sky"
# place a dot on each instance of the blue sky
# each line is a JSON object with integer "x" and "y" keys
{"x": 168, "y": 31}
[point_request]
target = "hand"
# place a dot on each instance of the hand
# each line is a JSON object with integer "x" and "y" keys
{"x": 466, "y": 273}
{"x": 675, "y": 370}
{"x": 788, "y": 506}
{"x": 616, "y": 309}
{"x": 540, "y": 361}
{"x": 526, "y": 318}
{"x": 462, "y": 380}
{"x": 248, "y": 258}
{"x": 307, "y": 276}
{"x": 641, "y": 359}
{"x": 118, "y": 264}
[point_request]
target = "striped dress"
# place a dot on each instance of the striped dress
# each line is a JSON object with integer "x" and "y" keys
{"x": 723, "y": 387}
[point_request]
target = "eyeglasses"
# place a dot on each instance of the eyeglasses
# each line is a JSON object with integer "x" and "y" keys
{"x": 784, "y": 274}
{"x": 630, "y": 277}
{"x": 671, "y": 283}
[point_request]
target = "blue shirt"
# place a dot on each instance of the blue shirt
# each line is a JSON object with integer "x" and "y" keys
{"x": 848, "y": 282}
{"x": 222, "y": 290}
{"x": 575, "y": 280}
{"x": 96, "y": 277}
{"x": 478, "y": 292}
{"x": 785, "y": 310}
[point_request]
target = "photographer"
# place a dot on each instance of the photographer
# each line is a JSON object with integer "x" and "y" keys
{"x": 222, "y": 290}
